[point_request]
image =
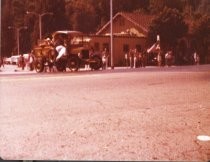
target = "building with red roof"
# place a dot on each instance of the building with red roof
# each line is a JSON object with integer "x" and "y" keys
{"x": 129, "y": 32}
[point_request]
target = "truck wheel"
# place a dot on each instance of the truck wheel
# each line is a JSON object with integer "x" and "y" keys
{"x": 96, "y": 64}
{"x": 61, "y": 65}
{"x": 39, "y": 65}
{"x": 60, "y": 68}
{"x": 73, "y": 64}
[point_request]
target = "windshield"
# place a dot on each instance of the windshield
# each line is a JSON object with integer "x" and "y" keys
{"x": 71, "y": 38}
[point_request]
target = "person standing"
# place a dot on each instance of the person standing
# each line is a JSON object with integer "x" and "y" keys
{"x": 105, "y": 58}
{"x": 196, "y": 58}
{"x": 22, "y": 62}
{"x": 131, "y": 58}
{"x": 168, "y": 58}
{"x": 143, "y": 59}
{"x": 91, "y": 54}
{"x": 126, "y": 59}
{"x": 159, "y": 59}
{"x": 135, "y": 58}
{"x": 31, "y": 61}
{"x": 1, "y": 61}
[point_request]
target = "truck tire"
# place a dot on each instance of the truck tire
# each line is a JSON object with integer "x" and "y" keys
{"x": 96, "y": 64}
{"x": 39, "y": 65}
{"x": 61, "y": 65}
{"x": 73, "y": 63}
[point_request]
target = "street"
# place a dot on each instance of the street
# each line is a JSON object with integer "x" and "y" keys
{"x": 121, "y": 114}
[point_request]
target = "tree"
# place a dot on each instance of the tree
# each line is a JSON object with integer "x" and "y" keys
{"x": 82, "y": 15}
{"x": 59, "y": 19}
{"x": 90, "y": 15}
{"x": 6, "y": 35}
{"x": 127, "y": 6}
{"x": 50, "y": 23}
{"x": 157, "y": 6}
{"x": 13, "y": 15}
{"x": 170, "y": 25}
{"x": 201, "y": 35}
{"x": 204, "y": 7}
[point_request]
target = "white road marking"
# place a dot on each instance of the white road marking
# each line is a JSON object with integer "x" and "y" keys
{"x": 203, "y": 138}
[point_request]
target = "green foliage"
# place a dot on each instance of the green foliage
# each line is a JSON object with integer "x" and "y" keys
{"x": 201, "y": 27}
{"x": 82, "y": 15}
{"x": 18, "y": 11}
{"x": 204, "y": 7}
{"x": 90, "y": 15}
{"x": 157, "y": 6}
{"x": 170, "y": 25}
{"x": 6, "y": 35}
{"x": 201, "y": 35}
{"x": 50, "y": 23}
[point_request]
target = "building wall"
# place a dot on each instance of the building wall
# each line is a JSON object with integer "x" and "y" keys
{"x": 121, "y": 45}
{"x": 121, "y": 24}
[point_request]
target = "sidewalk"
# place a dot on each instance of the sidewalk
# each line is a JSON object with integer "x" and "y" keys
{"x": 13, "y": 69}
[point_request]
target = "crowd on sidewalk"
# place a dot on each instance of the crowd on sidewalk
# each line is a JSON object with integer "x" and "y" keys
{"x": 23, "y": 64}
{"x": 133, "y": 59}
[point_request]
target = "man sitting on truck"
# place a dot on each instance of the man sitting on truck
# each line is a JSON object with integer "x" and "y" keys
{"x": 60, "y": 48}
{"x": 61, "y": 51}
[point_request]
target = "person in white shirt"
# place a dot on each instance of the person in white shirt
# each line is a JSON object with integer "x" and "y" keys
{"x": 196, "y": 58}
{"x": 61, "y": 58}
{"x": 105, "y": 58}
{"x": 31, "y": 60}
{"x": 61, "y": 51}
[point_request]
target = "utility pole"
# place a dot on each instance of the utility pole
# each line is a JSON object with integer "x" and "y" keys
{"x": 18, "y": 35}
{"x": 40, "y": 20}
{"x": 111, "y": 33}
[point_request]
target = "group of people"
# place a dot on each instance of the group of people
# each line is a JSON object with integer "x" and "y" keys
{"x": 59, "y": 44}
{"x": 26, "y": 62}
{"x": 135, "y": 58}
{"x": 61, "y": 49}
{"x": 1, "y": 62}
{"x": 169, "y": 58}
{"x": 53, "y": 58}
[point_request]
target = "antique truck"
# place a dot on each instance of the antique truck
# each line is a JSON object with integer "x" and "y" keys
{"x": 78, "y": 52}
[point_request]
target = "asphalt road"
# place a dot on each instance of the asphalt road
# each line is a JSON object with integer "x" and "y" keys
{"x": 122, "y": 114}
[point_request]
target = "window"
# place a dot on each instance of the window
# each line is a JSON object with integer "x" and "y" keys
{"x": 121, "y": 21}
{"x": 106, "y": 45}
{"x": 125, "y": 48}
{"x": 138, "y": 47}
{"x": 96, "y": 46}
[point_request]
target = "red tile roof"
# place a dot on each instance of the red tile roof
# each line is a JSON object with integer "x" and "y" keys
{"x": 139, "y": 19}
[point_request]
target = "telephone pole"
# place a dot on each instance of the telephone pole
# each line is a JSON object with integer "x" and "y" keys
{"x": 18, "y": 36}
{"x": 40, "y": 20}
{"x": 111, "y": 33}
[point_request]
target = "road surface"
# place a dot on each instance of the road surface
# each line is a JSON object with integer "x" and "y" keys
{"x": 150, "y": 114}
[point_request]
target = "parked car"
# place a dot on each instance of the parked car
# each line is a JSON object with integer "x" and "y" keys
{"x": 7, "y": 60}
{"x": 78, "y": 52}
{"x": 14, "y": 59}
